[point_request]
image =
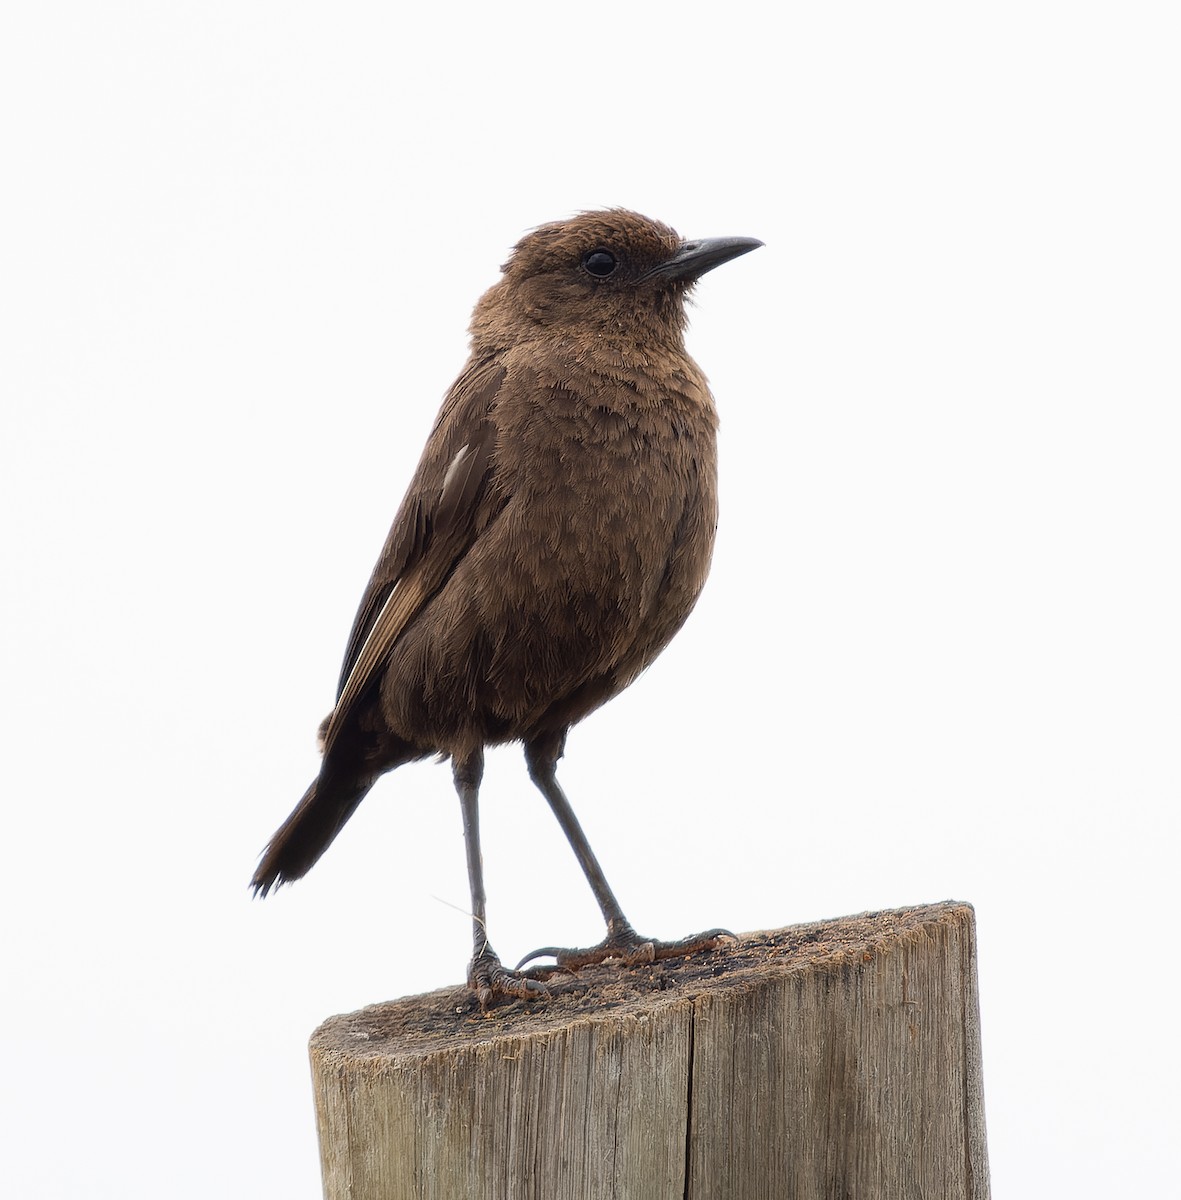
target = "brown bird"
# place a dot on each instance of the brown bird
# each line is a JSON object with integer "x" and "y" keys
{"x": 556, "y": 534}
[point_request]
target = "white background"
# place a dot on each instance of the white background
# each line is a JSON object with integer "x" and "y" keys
{"x": 938, "y": 655}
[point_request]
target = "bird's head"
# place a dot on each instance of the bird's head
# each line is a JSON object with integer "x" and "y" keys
{"x": 612, "y": 273}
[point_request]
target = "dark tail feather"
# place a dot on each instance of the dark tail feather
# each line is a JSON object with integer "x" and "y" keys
{"x": 309, "y": 831}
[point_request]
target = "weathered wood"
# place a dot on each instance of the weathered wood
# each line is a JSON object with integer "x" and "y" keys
{"x": 832, "y": 1060}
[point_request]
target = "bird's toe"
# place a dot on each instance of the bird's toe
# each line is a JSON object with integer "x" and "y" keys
{"x": 491, "y": 980}
{"x": 629, "y": 948}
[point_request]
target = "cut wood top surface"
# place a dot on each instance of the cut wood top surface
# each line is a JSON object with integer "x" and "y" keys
{"x": 450, "y": 1017}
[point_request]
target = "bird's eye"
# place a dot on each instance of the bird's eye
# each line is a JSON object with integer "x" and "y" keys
{"x": 600, "y": 263}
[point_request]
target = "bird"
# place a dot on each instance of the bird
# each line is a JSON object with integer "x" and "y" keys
{"x": 555, "y": 535}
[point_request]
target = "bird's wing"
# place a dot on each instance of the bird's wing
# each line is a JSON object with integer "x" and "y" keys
{"x": 437, "y": 522}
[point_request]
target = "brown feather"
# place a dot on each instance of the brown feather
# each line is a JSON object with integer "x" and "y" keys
{"x": 460, "y": 420}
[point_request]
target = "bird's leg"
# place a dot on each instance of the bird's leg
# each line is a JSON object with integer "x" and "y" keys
{"x": 486, "y": 975}
{"x": 622, "y": 942}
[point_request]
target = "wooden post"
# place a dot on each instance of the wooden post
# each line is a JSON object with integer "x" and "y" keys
{"x": 834, "y": 1060}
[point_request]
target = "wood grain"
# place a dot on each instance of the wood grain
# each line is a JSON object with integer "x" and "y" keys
{"x": 830, "y": 1060}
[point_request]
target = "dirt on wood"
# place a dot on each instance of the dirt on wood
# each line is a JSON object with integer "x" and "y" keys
{"x": 425, "y": 1023}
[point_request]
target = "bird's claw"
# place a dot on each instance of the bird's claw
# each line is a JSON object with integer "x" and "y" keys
{"x": 490, "y": 979}
{"x": 629, "y": 948}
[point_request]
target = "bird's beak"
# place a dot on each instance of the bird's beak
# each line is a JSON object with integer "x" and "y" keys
{"x": 693, "y": 259}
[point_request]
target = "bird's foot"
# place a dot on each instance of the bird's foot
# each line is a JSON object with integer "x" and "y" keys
{"x": 490, "y": 979}
{"x": 622, "y": 944}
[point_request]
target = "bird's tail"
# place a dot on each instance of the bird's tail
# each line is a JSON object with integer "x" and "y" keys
{"x": 310, "y": 830}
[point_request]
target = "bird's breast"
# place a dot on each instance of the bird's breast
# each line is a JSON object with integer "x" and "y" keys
{"x": 608, "y": 529}
{"x": 601, "y": 542}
